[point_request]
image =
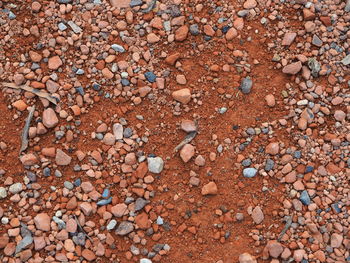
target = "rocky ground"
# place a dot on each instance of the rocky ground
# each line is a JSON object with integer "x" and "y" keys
{"x": 174, "y": 131}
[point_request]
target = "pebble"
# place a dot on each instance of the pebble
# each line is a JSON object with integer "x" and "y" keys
{"x": 246, "y": 258}
{"x": 187, "y": 152}
{"x": 246, "y": 85}
{"x": 210, "y": 189}
{"x": 182, "y": 95}
{"x": 257, "y": 215}
{"x": 292, "y": 68}
{"x": 249, "y": 172}
{"x": 62, "y": 158}
{"x": 50, "y": 119}
{"x": 155, "y": 164}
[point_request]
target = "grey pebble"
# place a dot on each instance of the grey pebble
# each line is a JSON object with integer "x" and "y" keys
{"x": 246, "y": 85}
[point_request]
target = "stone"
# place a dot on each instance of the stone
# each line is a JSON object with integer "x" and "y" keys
{"x": 270, "y": 100}
{"x": 210, "y": 189}
{"x": 288, "y": 38}
{"x": 298, "y": 255}
{"x": 50, "y": 119}
{"x": 246, "y": 85}
{"x": 88, "y": 254}
{"x": 316, "y": 41}
{"x": 249, "y": 172}
{"x": 54, "y": 62}
{"x": 292, "y": 68}
{"x": 182, "y": 95}
{"x": 119, "y": 210}
{"x": 336, "y": 240}
{"x": 257, "y": 215}
{"x": 272, "y": 148}
{"x": 187, "y": 152}
{"x": 29, "y": 159}
{"x": 181, "y": 33}
{"x": 152, "y": 38}
{"x": 42, "y": 222}
{"x": 86, "y": 208}
{"x": 62, "y": 158}
{"x": 120, "y": 3}
{"x": 109, "y": 139}
{"x": 3, "y": 192}
{"x": 15, "y": 188}
{"x": 124, "y": 228}
{"x": 20, "y": 105}
{"x": 155, "y": 164}
{"x": 118, "y": 131}
{"x": 274, "y": 248}
{"x": 246, "y": 258}
{"x": 249, "y": 4}
{"x": 188, "y": 126}
{"x": 231, "y": 34}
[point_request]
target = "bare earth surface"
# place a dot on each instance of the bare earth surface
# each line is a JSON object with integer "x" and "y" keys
{"x": 174, "y": 131}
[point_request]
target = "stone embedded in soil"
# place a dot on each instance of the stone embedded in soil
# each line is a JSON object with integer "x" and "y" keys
{"x": 187, "y": 152}
{"x": 50, "y": 119}
{"x": 182, "y": 95}
{"x": 292, "y": 68}
{"x": 42, "y": 222}
{"x": 62, "y": 158}
{"x": 210, "y": 189}
{"x": 88, "y": 255}
{"x": 257, "y": 215}
{"x": 155, "y": 164}
{"x": 118, "y": 131}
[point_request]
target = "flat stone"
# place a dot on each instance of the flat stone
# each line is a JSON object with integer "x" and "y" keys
{"x": 120, "y": 3}
{"x": 292, "y": 68}
{"x": 257, "y": 215}
{"x": 182, "y": 95}
{"x": 54, "y": 62}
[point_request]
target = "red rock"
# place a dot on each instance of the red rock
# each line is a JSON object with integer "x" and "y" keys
{"x": 246, "y": 258}
{"x": 292, "y": 68}
{"x": 42, "y": 222}
{"x": 231, "y": 34}
{"x": 152, "y": 38}
{"x": 187, "y": 152}
{"x": 20, "y": 105}
{"x": 4, "y": 240}
{"x": 181, "y": 33}
{"x": 55, "y": 62}
{"x": 272, "y": 148}
{"x": 249, "y": 4}
{"x": 208, "y": 30}
{"x": 10, "y": 249}
{"x": 270, "y": 100}
{"x": 119, "y": 210}
{"x": 72, "y": 203}
{"x": 182, "y": 95}
{"x": 257, "y": 215}
{"x": 25, "y": 255}
{"x": 171, "y": 59}
{"x": 29, "y": 159}
{"x": 50, "y": 119}
{"x": 39, "y": 243}
{"x": 274, "y": 248}
{"x": 120, "y": 3}
{"x": 86, "y": 208}
{"x": 288, "y": 38}
{"x": 88, "y": 255}
{"x": 210, "y": 189}
{"x": 308, "y": 15}
{"x": 62, "y": 158}
{"x": 71, "y": 225}
{"x": 188, "y": 126}
{"x": 142, "y": 221}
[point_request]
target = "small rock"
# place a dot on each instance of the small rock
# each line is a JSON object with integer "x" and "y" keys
{"x": 187, "y": 152}
{"x": 249, "y": 172}
{"x": 62, "y": 158}
{"x": 210, "y": 189}
{"x": 54, "y": 62}
{"x": 246, "y": 85}
{"x": 155, "y": 164}
{"x": 292, "y": 68}
{"x": 246, "y": 258}
{"x": 50, "y": 119}
{"x": 182, "y": 95}
{"x": 257, "y": 215}
{"x": 42, "y": 222}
